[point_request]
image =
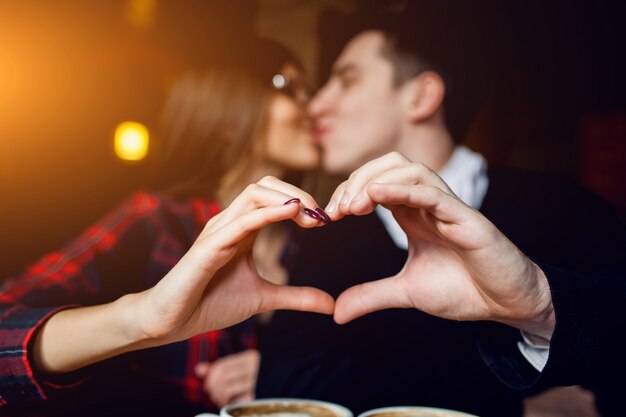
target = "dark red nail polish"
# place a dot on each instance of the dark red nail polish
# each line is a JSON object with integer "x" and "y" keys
{"x": 292, "y": 201}
{"x": 323, "y": 216}
{"x": 312, "y": 214}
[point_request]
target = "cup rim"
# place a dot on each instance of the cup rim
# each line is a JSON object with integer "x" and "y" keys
{"x": 340, "y": 409}
{"x": 402, "y": 408}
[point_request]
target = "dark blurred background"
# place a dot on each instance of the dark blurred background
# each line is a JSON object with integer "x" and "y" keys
{"x": 71, "y": 70}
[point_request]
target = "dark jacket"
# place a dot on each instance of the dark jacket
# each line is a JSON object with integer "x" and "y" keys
{"x": 404, "y": 357}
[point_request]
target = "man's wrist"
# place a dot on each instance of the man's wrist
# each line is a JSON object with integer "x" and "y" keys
{"x": 540, "y": 326}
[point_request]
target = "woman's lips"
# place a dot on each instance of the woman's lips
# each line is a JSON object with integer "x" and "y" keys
{"x": 319, "y": 132}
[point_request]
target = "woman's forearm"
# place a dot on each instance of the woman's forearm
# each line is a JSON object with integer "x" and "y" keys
{"x": 74, "y": 338}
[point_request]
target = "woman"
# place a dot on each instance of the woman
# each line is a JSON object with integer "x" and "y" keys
{"x": 104, "y": 293}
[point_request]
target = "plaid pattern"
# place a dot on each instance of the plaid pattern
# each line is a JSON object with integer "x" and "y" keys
{"x": 129, "y": 250}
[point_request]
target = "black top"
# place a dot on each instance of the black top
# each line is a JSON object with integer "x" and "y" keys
{"x": 581, "y": 245}
{"x": 406, "y": 357}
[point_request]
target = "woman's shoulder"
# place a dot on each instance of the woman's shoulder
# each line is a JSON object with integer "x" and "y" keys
{"x": 146, "y": 203}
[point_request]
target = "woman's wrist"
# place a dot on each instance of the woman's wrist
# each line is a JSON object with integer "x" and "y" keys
{"x": 133, "y": 331}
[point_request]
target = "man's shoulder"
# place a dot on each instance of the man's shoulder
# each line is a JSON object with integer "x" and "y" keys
{"x": 526, "y": 178}
{"x": 553, "y": 218}
{"x": 544, "y": 190}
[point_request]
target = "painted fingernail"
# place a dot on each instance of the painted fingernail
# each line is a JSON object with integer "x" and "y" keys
{"x": 312, "y": 214}
{"x": 324, "y": 217}
{"x": 292, "y": 201}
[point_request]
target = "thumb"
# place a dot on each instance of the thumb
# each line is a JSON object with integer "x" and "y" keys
{"x": 202, "y": 369}
{"x": 369, "y": 297}
{"x": 285, "y": 297}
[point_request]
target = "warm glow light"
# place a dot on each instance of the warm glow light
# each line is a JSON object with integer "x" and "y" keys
{"x": 7, "y": 76}
{"x": 140, "y": 13}
{"x": 131, "y": 141}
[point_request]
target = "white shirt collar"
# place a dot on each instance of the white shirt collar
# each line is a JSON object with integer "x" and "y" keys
{"x": 465, "y": 173}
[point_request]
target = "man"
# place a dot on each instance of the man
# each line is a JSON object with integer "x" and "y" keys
{"x": 461, "y": 267}
{"x": 382, "y": 97}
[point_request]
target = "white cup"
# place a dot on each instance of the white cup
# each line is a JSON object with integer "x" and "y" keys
{"x": 282, "y": 407}
{"x": 410, "y": 411}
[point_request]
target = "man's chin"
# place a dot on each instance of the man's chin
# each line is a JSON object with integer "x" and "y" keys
{"x": 336, "y": 166}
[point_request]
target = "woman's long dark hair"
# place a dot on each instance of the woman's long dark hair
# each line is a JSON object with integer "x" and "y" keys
{"x": 215, "y": 118}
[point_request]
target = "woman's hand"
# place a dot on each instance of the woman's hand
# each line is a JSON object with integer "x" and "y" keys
{"x": 232, "y": 378}
{"x": 216, "y": 284}
{"x": 459, "y": 266}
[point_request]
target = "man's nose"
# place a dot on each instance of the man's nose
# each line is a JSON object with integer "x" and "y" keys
{"x": 319, "y": 104}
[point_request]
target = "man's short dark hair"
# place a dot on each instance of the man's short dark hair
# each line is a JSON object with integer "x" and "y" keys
{"x": 442, "y": 36}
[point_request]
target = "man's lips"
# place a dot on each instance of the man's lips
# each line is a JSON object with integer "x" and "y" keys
{"x": 319, "y": 132}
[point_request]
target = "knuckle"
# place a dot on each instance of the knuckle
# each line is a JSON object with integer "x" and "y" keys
{"x": 439, "y": 193}
{"x": 397, "y": 157}
{"x": 435, "y": 195}
{"x": 420, "y": 169}
{"x": 217, "y": 374}
{"x": 242, "y": 225}
{"x": 229, "y": 392}
{"x": 252, "y": 189}
{"x": 268, "y": 179}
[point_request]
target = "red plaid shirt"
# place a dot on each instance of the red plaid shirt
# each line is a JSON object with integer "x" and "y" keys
{"x": 129, "y": 250}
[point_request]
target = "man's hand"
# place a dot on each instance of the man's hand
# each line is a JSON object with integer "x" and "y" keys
{"x": 459, "y": 266}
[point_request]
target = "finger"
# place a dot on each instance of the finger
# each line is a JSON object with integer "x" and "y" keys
{"x": 355, "y": 199}
{"x": 218, "y": 397}
{"x": 284, "y": 297}
{"x": 251, "y": 198}
{"x": 237, "y": 389}
{"x": 207, "y": 383}
{"x": 248, "y": 396}
{"x": 258, "y": 196}
{"x": 233, "y": 232}
{"x": 202, "y": 369}
{"x": 289, "y": 189}
{"x": 369, "y": 297}
{"x": 212, "y": 251}
{"x": 311, "y": 208}
{"x": 224, "y": 393}
{"x": 240, "y": 357}
{"x": 213, "y": 220}
{"x": 444, "y": 206}
{"x": 332, "y": 208}
{"x": 238, "y": 365}
{"x": 213, "y": 382}
{"x": 410, "y": 174}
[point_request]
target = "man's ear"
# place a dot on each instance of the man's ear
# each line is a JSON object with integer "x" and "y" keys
{"x": 423, "y": 95}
